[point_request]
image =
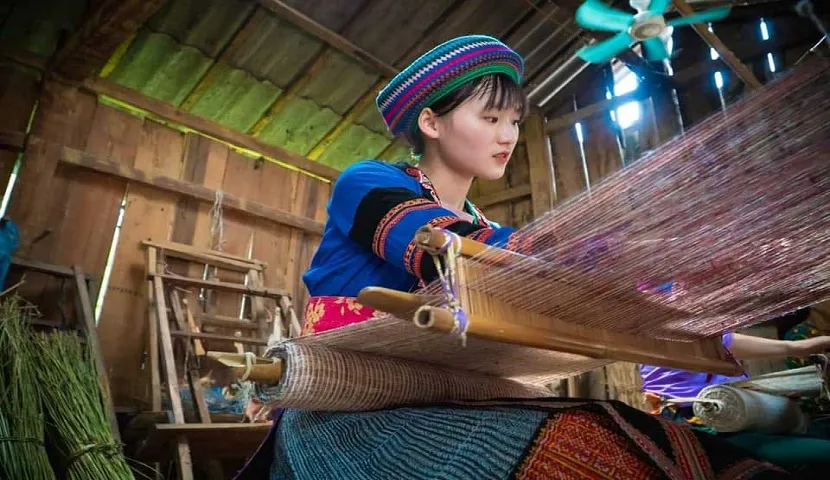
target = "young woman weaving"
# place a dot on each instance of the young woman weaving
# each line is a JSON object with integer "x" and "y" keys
{"x": 459, "y": 106}
{"x": 464, "y": 123}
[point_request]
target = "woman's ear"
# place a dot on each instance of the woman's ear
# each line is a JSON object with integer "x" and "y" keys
{"x": 428, "y": 123}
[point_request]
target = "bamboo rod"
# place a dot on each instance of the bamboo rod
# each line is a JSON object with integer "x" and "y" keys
{"x": 263, "y": 370}
{"x": 441, "y": 320}
{"x": 433, "y": 239}
{"x": 397, "y": 303}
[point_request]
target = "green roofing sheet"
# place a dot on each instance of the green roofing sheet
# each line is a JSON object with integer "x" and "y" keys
{"x": 233, "y": 63}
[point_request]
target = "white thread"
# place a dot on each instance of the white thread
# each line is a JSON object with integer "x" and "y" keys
{"x": 249, "y": 364}
{"x": 217, "y": 224}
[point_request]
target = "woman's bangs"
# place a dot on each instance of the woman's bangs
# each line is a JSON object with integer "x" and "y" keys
{"x": 502, "y": 93}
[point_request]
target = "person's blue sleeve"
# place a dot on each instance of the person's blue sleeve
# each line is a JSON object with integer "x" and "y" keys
{"x": 379, "y": 207}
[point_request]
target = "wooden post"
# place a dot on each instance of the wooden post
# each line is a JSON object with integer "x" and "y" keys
{"x": 184, "y": 463}
{"x": 88, "y": 317}
{"x": 540, "y": 159}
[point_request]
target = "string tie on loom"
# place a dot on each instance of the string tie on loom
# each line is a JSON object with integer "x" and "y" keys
{"x": 449, "y": 282}
{"x": 249, "y": 365}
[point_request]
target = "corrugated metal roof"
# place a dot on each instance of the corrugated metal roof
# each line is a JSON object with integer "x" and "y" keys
{"x": 271, "y": 49}
{"x": 160, "y": 67}
{"x": 237, "y": 63}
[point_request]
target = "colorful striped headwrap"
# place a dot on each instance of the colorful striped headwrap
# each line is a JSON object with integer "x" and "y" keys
{"x": 439, "y": 72}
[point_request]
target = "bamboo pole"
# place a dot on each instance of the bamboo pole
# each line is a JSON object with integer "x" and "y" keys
{"x": 441, "y": 320}
{"x": 262, "y": 370}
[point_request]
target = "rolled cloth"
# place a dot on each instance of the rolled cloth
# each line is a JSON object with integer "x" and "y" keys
{"x": 320, "y": 378}
{"x": 737, "y": 410}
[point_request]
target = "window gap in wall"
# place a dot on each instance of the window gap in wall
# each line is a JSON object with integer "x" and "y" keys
{"x": 105, "y": 279}
{"x": 7, "y": 195}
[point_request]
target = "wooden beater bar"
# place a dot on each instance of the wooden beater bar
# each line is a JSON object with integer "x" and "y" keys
{"x": 441, "y": 319}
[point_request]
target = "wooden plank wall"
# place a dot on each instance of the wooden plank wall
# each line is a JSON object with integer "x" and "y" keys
{"x": 74, "y": 212}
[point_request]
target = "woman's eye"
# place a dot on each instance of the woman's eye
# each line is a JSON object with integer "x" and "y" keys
{"x": 491, "y": 119}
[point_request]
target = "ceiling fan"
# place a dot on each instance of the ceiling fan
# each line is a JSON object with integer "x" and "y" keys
{"x": 648, "y": 26}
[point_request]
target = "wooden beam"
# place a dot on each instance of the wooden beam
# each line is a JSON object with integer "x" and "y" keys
{"x": 309, "y": 25}
{"x": 170, "y": 113}
{"x": 220, "y": 286}
{"x": 80, "y": 159}
{"x": 48, "y": 269}
{"x": 108, "y": 26}
{"x": 193, "y": 254}
{"x": 218, "y": 337}
{"x": 506, "y": 195}
{"x": 540, "y": 160}
{"x": 569, "y": 119}
{"x": 226, "y": 322}
{"x": 744, "y": 73}
{"x": 11, "y": 139}
{"x": 212, "y": 440}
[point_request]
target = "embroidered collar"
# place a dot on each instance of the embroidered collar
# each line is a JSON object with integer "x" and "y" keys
{"x": 426, "y": 184}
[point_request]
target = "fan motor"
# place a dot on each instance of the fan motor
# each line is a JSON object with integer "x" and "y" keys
{"x": 647, "y": 25}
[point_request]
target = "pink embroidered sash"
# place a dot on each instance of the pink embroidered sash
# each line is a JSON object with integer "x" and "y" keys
{"x": 328, "y": 313}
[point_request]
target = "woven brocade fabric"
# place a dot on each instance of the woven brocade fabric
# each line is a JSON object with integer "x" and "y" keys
{"x": 499, "y": 440}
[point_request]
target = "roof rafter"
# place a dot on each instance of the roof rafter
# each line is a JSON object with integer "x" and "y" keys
{"x": 108, "y": 26}
{"x": 312, "y": 27}
{"x": 744, "y": 73}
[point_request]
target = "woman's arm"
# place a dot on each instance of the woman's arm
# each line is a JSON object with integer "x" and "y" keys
{"x": 379, "y": 209}
{"x": 747, "y": 347}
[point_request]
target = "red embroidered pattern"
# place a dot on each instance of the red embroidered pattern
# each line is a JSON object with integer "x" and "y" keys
{"x": 644, "y": 442}
{"x": 419, "y": 175}
{"x": 482, "y": 235}
{"x": 689, "y": 455}
{"x": 583, "y": 445}
{"x": 392, "y": 217}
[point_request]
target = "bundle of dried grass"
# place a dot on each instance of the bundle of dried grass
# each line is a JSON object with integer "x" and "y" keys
{"x": 76, "y": 413}
{"x": 23, "y": 452}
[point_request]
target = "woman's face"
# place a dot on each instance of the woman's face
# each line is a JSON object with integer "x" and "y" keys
{"x": 474, "y": 140}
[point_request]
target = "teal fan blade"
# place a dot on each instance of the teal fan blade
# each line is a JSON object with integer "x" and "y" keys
{"x": 607, "y": 49}
{"x": 707, "y": 16}
{"x": 659, "y": 6}
{"x": 648, "y": 26}
{"x": 655, "y": 49}
{"x": 598, "y": 16}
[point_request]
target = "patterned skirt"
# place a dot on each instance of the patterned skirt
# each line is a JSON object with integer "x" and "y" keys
{"x": 517, "y": 439}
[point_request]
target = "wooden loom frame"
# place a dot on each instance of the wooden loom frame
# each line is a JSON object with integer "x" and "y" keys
{"x": 534, "y": 330}
{"x": 706, "y": 355}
